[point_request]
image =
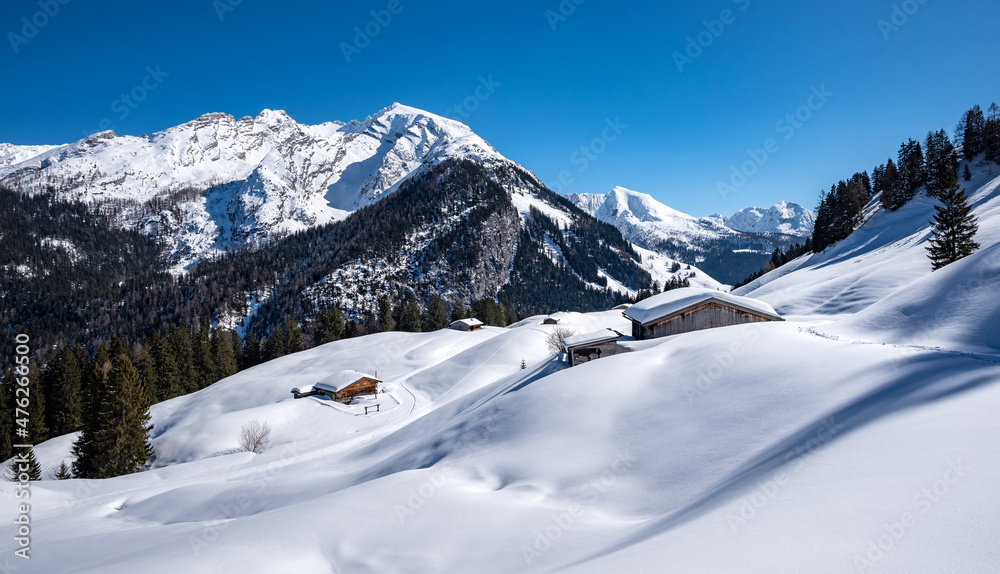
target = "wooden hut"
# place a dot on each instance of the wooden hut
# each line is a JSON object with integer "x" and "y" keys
{"x": 694, "y": 309}
{"x": 591, "y": 346}
{"x": 467, "y": 325}
{"x": 550, "y": 321}
{"x": 343, "y": 386}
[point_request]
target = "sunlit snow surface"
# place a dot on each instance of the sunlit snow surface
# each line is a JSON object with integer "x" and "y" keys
{"x": 859, "y": 436}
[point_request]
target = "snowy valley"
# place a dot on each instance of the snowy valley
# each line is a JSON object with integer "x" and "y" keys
{"x": 860, "y": 435}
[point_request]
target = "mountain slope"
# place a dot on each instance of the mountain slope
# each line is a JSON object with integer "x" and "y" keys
{"x": 727, "y": 248}
{"x": 218, "y": 182}
{"x": 886, "y": 254}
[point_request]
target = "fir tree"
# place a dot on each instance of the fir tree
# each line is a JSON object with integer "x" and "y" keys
{"x": 33, "y": 470}
{"x": 62, "y": 382}
{"x": 204, "y": 362}
{"x": 144, "y": 362}
{"x": 62, "y": 472}
{"x": 409, "y": 315}
{"x": 893, "y": 194}
{"x": 126, "y": 421}
{"x": 436, "y": 314}
{"x": 940, "y": 161}
{"x": 911, "y": 169}
{"x": 351, "y": 329}
{"x": 223, "y": 356}
{"x": 459, "y": 312}
{"x": 954, "y": 231}
{"x": 384, "y": 314}
{"x": 966, "y": 174}
{"x": 251, "y": 350}
{"x": 91, "y": 443}
{"x": 974, "y": 124}
{"x": 168, "y": 372}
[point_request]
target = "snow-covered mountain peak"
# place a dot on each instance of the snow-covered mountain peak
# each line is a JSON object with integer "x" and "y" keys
{"x": 258, "y": 175}
{"x": 783, "y": 217}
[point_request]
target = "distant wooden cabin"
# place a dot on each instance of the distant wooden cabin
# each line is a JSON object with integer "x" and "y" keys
{"x": 591, "y": 346}
{"x": 550, "y": 321}
{"x": 694, "y": 309}
{"x": 342, "y": 387}
{"x": 621, "y": 307}
{"x": 467, "y": 325}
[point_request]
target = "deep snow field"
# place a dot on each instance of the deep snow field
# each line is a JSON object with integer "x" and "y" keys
{"x": 862, "y": 435}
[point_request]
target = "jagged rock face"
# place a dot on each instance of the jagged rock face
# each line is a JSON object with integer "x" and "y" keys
{"x": 218, "y": 181}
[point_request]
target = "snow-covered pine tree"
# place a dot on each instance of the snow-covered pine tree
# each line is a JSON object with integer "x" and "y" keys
{"x": 954, "y": 230}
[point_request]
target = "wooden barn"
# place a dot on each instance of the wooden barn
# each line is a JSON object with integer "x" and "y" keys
{"x": 591, "y": 346}
{"x": 342, "y": 387}
{"x": 694, "y": 309}
{"x": 467, "y": 325}
{"x": 550, "y": 321}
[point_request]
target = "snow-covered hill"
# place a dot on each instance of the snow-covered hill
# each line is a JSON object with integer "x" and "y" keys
{"x": 218, "y": 181}
{"x": 729, "y": 248}
{"x": 859, "y": 436}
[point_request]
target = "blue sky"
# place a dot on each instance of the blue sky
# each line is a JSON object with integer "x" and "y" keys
{"x": 561, "y": 70}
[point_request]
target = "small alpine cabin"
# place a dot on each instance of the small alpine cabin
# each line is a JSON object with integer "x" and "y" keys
{"x": 694, "y": 309}
{"x": 591, "y": 346}
{"x": 550, "y": 321}
{"x": 467, "y": 325}
{"x": 342, "y": 387}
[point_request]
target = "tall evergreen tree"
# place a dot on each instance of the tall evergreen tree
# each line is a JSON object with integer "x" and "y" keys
{"x": 169, "y": 377}
{"x": 126, "y": 421}
{"x": 940, "y": 161}
{"x": 62, "y": 382}
{"x": 204, "y": 362}
{"x": 954, "y": 231}
{"x": 181, "y": 351}
{"x": 384, "y": 314}
{"x": 966, "y": 174}
{"x": 222, "y": 354}
{"x": 893, "y": 194}
{"x": 974, "y": 124}
{"x": 436, "y": 314}
{"x": 91, "y": 443}
{"x": 459, "y": 312}
{"x": 911, "y": 168}
{"x": 251, "y": 350}
{"x": 991, "y": 136}
{"x": 144, "y": 362}
{"x": 34, "y": 470}
{"x": 409, "y": 315}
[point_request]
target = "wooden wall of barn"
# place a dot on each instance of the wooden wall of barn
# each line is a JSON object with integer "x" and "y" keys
{"x": 708, "y": 317}
{"x": 362, "y": 387}
{"x": 592, "y": 352}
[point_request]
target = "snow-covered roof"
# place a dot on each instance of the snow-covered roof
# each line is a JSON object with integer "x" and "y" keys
{"x": 340, "y": 381}
{"x": 468, "y": 323}
{"x": 677, "y": 301}
{"x": 591, "y": 338}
